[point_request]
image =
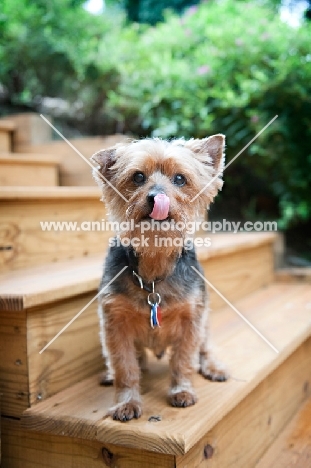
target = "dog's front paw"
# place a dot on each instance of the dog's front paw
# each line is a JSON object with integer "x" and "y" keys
{"x": 215, "y": 371}
{"x": 126, "y": 411}
{"x": 182, "y": 399}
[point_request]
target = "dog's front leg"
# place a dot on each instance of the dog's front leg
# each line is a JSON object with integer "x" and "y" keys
{"x": 181, "y": 393}
{"x": 122, "y": 351}
{"x": 210, "y": 368}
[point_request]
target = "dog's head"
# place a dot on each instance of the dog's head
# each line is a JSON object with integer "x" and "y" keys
{"x": 161, "y": 180}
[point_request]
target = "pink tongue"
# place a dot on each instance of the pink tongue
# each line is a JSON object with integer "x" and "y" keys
{"x": 161, "y": 206}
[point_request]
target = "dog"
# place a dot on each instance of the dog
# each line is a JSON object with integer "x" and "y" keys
{"x": 158, "y": 301}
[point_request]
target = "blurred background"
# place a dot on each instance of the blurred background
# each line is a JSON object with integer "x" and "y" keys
{"x": 178, "y": 68}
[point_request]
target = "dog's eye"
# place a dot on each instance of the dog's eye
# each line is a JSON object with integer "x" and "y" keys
{"x": 139, "y": 178}
{"x": 179, "y": 180}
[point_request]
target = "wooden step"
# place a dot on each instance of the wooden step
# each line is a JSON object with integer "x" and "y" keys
{"x": 292, "y": 448}
{"x": 30, "y": 129}
{"x": 74, "y": 171}
{"x": 22, "y": 241}
{"x": 28, "y": 170}
{"x": 39, "y": 285}
{"x": 7, "y": 127}
{"x": 232, "y": 424}
{"x": 37, "y": 302}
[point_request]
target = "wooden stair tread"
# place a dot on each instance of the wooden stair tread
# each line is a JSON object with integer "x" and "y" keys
{"x": 292, "y": 448}
{"x": 43, "y": 193}
{"x": 87, "y": 145}
{"x": 50, "y": 282}
{"x": 28, "y": 158}
{"x": 282, "y": 314}
{"x": 7, "y": 125}
{"x": 34, "y": 286}
{"x": 227, "y": 242}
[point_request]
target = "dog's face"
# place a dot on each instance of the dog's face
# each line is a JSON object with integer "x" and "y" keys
{"x": 161, "y": 180}
{"x": 169, "y": 182}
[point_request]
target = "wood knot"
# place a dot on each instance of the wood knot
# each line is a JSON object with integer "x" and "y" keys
{"x": 306, "y": 386}
{"x": 208, "y": 451}
{"x": 107, "y": 456}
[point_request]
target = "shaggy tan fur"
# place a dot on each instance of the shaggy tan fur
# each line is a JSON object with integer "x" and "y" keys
{"x": 125, "y": 314}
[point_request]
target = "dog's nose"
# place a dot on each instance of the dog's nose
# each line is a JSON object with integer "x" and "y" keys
{"x": 152, "y": 194}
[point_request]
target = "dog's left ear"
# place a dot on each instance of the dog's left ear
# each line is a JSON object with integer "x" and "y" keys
{"x": 212, "y": 146}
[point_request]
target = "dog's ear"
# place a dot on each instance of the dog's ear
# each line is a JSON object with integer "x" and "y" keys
{"x": 103, "y": 160}
{"x": 212, "y": 146}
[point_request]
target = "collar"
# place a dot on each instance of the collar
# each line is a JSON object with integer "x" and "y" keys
{"x": 138, "y": 280}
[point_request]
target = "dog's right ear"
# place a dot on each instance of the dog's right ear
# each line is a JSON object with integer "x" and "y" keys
{"x": 103, "y": 160}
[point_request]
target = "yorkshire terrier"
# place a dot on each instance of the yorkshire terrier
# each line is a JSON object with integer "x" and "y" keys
{"x": 159, "y": 300}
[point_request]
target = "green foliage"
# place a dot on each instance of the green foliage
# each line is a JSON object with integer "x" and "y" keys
{"x": 54, "y": 49}
{"x": 225, "y": 66}
{"x": 228, "y": 67}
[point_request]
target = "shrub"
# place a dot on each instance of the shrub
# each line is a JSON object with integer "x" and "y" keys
{"x": 227, "y": 67}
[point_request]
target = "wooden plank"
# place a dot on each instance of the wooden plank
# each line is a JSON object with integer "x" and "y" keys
{"x": 225, "y": 243}
{"x": 13, "y": 363}
{"x": 24, "y": 449}
{"x": 239, "y": 273}
{"x": 292, "y": 448}
{"x": 244, "y": 434}
{"x": 7, "y": 124}
{"x": 49, "y": 193}
{"x": 73, "y": 169}
{"x": 27, "y": 377}
{"x": 5, "y": 141}
{"x": 29, "y": 159}
{"x": 29, "y": 287}
{"x": 21, "y": 174}
{"x": 23, "y": 242}
{"x": 75, "y": 355}
{"x": 30, "y": 129}
{"x": 279, "y": 311}
{"x": 50, "y": 282}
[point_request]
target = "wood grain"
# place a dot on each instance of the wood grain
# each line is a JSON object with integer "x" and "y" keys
{"x": 24, "y": 449}
{"x": 75, "y": 355}
{"x": 13, "y": 363}
{"x": 21, "y": 212}
{"x": 228, "y": 243}
{"x": 279, "y": 311}
{"x": 238, "y": 273}
{"x": 23, "y": 170}
{"x": 50, "y": 282}
{"x": 292, "y": 448}
{"x": 26, "y": 376}
{"x": 243, "y": 435}
{"x": 226, "y": 270}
